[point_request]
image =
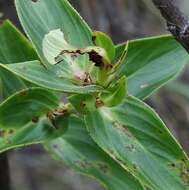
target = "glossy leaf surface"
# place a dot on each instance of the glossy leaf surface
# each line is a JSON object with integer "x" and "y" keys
{"x": 14, "y": 48}
{"x": 25, "y": 106}
{"x": 33, "y": 133}
{"x": 38, "y": 18}
{"x": 50, "y": 78}
{"x": 115, "y": 94}
{"x": 135, "y": 136}
{"x": 150, "y": 63}
{"x": 102, "y": 40}
{"x": 77, "y": 150}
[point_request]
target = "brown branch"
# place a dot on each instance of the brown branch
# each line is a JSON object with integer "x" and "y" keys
{"x": 177, "y": 22}
{"x": 4, "y": 172}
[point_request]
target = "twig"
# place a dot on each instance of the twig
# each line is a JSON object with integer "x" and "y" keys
{"x": 4, "y": 172}
{"x": 177, "y": 22}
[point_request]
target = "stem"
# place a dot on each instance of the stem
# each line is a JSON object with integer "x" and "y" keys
{"x": 177, "y": 22}
{"x": 4, "y": 172}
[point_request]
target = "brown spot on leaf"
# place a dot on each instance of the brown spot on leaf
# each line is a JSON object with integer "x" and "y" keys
{"x": 24, "y": 93}
{"x": 123, "y": 128}
{"x": 184, "y": 159}
{"x": 173, "y": 165}
{"x": 108, "y": 66}
{"x": 111, "y": 152}
{"x": 131, "y": 147}
{"x": 96, "y": 58}
{"x": 83, "y": 164}
{"x": 147, "y": 188}
{"x": 184, "y": 174}
{"x": 10, "y": 131}
{"x": 35, "y": 119}
{"x": 55, "y": 146}
{"x": 94, "y": 39}
{"x": 103, "y": 167}
{"x": 135, "y": 167}
{"x": 53, "y": 114}
{"x": 88, "y": 79}
{"x": 93, "y": 55}
{"x": 51, "y": 118}
{"x": 61, "y": 111}
{"x": 82, "y": 104}
{"x": 99, "y": 103}
{"x": 2, "y": 133}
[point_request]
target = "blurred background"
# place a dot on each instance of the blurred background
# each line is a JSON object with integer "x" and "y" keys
{"x": 31, "y": 168}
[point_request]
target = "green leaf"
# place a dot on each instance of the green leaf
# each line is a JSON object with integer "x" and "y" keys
{"x": 119, "y": 50}
{"x": 83, "y": 103}
{"x": 14, "y": 48}
{"x": 38, "y": 18}
{"x": 10, "y": 83}
{"x": 26, "y": 105}
{"x": 135, "y": 136}
{"x": 150, "y": 63}
{"x": 76, "y": 149}
{"x": 1, "y": 89}
{"x": 33, "y": 133}
{"x": 53, "y": 44}
{"x": 102, "y": 40}
{"x": 56, "y": 49}
{"x": 50, "y": 78}
{"x": 77, "y": 64}
{"x": 115, "y": 94}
